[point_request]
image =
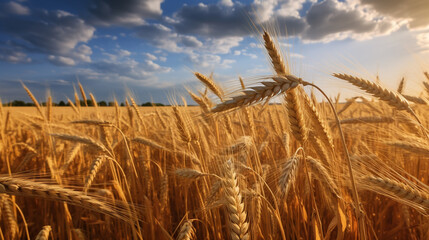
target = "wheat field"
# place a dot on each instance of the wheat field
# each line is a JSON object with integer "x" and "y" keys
{"x": 234, "y": 167}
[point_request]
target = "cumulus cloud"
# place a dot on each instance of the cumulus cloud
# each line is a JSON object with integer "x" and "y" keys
{"x": 164, "y": 37}
{"x": 61, "y": 61}
{"x": 123, "y": 53}
{"x": 331, "y": 20}
{"x": 212, "y": 20}
{"x": 207, "y": 61}
{"x": 57, "y": 33}
{"x": 14, "y": 8}
{"x": 13, "y": 56}
{"x": 151, "y": 56}
{"x": 127, "y": 70}
{"x": 124, "y": 12}
{"x": 415, "y": 11}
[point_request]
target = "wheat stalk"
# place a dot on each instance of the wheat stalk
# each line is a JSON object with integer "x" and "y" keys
{"x": 371, "y": 119}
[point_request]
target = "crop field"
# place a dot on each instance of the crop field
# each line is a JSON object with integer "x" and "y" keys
{"x": 233, "y": 167}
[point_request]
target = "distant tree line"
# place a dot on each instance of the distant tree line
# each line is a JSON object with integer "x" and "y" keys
{"x": 19, "y": 103}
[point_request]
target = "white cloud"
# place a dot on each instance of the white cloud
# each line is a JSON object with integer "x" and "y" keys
{"x": 227, "y": 3}
{"x": 123, "y": 53}
{"x": 61, "y": 61}
{"x": 222, "y": 45}
{"x": 151, "y": 56}
{"x": 296, "y": 55}
{"x": 423, "y": 41}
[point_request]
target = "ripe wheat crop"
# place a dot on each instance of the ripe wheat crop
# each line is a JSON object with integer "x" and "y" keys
{"x": 234, "y": 167}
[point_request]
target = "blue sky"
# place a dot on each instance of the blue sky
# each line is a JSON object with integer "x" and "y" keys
{"x": 151, "y": 47}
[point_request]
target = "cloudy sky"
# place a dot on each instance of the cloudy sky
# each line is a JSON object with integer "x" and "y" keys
{"x": 151, "y": 47}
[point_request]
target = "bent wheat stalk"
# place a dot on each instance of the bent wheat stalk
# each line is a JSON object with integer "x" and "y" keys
{"x": 26, "y": 188}
{"x": 400, "y": 190}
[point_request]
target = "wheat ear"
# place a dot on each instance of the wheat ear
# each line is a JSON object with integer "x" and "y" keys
{"x": 415, "y": 99}
{"x": 237, "y": 215}
{"x": 26, "y": 188}
{"x": 288, "y": 175}
{"x": 190, "y": 173}
{"x": 44, "y": 233}
{"x": 322, "y": 174}
{"x": 73, "y": 106}
{"x": 256, "y": 94}
{"x": 36, "y": 103}
{"x": 208, "y": 82}
{"x": 81, "y": 139}
{"x": 376, "y": 90}
{"x": 187, "y": 231}
{"x": 82, "y": 92}
{"x": 413, "y": 147}
{"x": 8, "y": 214}
{"x": 200, "y": 101}
{"x": 400, "y": 190}
{"x": 95, "y": 167}
{"x": 181, "y": 125}
{"x": 293, "y": 104}
{"x": 401, "y": 86}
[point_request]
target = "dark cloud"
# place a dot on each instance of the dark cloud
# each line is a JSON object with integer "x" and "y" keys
{"x": 331, "y": 17}
{"x": 417, "y": 11}
{"x": 213, "y": 20}
{"x": 53, "y": 32}
{"x": 124, "y": 12}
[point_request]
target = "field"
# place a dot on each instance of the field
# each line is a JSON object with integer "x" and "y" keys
{"x": 238, "y": 169}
